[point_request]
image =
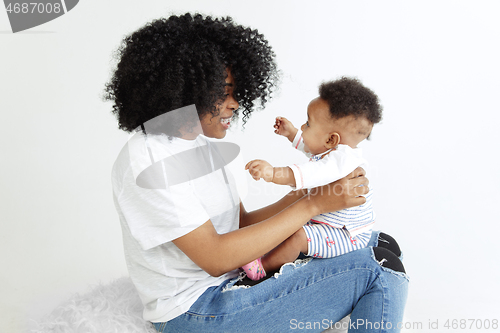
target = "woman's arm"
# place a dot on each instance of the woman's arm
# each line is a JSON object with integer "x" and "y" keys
{"x": 218, "y": 254}
{"x": 248, "y": 218}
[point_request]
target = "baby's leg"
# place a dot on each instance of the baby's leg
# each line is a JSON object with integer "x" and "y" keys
{"x": 287, "y": 251}
{"x": 324, "y": 241}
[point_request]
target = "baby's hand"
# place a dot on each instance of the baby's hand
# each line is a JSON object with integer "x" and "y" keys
{"x": 260, "y": 169}
{"x": 285, "y": 127}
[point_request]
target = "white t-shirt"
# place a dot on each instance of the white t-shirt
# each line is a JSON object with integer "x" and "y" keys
{"x": 168, "y": 281}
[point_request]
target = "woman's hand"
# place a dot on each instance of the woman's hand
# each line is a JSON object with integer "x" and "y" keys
{"x": 344, "y": 193}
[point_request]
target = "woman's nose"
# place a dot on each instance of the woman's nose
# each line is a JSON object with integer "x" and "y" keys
{"x": 232, "y": 103}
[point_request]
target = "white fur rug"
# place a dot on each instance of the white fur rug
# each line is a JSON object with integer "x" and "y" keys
{"x": 110, "y": 308}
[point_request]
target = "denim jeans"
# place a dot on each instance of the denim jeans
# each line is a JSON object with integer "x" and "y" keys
{"x": 310, "y": 295}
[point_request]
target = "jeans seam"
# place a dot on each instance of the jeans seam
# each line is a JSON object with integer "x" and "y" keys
{"x": 385, "y": 305}
{"x": 161, "y": 327}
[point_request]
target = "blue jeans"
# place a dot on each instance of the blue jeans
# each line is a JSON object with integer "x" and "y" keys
{"x": 311, "y": 295}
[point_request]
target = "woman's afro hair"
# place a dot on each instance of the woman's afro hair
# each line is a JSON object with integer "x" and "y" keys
{"x": 348, "y": 97}
{"x": 179, "y": 61}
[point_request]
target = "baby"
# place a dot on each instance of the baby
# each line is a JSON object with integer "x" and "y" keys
{"x": 337, "y": 121}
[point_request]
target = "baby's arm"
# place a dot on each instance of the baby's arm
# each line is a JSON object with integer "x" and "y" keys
{"x": 284, "y": 127}
{"x": 335, "y": 165}
{"x": 261, "y": 169}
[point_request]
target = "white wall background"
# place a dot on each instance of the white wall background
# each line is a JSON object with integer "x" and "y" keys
{"x": 434, "y": 65}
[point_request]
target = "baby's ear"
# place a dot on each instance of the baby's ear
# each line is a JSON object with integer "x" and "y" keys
{"x": 333, "y": 140}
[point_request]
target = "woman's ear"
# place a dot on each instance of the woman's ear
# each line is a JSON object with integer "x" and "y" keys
{"x": 333, "y": 140}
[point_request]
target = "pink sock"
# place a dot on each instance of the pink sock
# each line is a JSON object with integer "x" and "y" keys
{"x": 255, "y": 270}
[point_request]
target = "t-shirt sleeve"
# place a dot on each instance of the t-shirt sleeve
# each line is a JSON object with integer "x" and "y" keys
{"x": 337, "y": 164}
{"x": 157, "y": 216}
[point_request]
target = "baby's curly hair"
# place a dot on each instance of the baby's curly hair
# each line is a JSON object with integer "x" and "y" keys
{"x": 348, "y": 97}
{"x": 179, "y": 61}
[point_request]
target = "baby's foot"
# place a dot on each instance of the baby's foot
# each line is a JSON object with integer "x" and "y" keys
{"x": 255, "y": 270}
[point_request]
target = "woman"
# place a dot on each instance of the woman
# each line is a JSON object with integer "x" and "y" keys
{"x": 186, "y": 232}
